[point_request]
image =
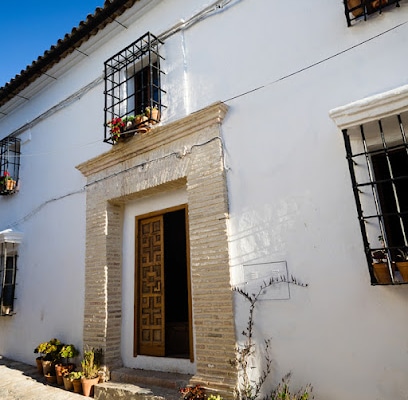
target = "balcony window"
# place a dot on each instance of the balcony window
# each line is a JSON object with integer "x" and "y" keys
{"x": 9, "y": 165}
{"x": 133, "y": 88}
{"x": 361, "y": 9}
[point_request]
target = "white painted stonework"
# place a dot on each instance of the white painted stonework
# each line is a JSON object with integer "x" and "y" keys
{"x": 292, "y": 76}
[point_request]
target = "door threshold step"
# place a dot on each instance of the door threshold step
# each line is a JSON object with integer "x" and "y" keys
{"x": 149, "y": 378}
{"x": 119, "y": 391}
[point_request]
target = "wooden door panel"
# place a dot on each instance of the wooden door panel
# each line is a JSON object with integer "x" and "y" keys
{"x": 151, "y": 290}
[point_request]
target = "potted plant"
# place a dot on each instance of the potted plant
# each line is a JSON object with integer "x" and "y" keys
{"x": 152, "y": 114}
{"x": 75, "y": 378}
{"x": 50, "y": 351}
{"x": 380, "y": 264}
{"x": 90, "y": 370}
{"x": 39, "y": 359}
{"x": 7, "y": 183}
{"x": 67, "y": 352}
{"x": 117, "y": 126}
{"x": 402, "y": 264}
{"x": 192, "y": 392}
{"x": 141, "y": 123}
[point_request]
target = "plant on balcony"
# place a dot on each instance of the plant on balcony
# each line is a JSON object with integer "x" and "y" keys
{"x": 121, "y": 128}
{"x": 152, "y": 114}
{"x": 116, "y": 125}
{"x": 380, "y": 264}
{"x": 402, "y": 263}
{"x": 7, "y": 182}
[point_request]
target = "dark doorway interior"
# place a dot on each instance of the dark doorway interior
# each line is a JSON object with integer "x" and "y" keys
{"x": 176, "y": 285}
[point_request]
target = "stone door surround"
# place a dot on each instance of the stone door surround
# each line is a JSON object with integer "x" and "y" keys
{"x": 186, "y": 153}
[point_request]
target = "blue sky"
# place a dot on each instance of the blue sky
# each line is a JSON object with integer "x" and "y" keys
{"x": 29, "y": 27}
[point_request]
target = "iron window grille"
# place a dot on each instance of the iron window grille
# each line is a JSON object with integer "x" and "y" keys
{"x": 133, "y": 82}
{"x": 8, "y": 269}
{"x": 361, "y": 9}
{"x": 9, "y": 165}
{"x": 377, "y": 154}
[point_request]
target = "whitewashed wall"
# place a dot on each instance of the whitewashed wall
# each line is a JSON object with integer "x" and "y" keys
{"x": 280, "y": 68}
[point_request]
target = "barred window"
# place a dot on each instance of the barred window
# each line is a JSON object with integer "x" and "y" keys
{"x": 9, "y": 165}
{"x": 9, "y": 243}
{"x": 377, "y": 154}
{"x": 133, "y": 84}
{"x": 361, "y": 9}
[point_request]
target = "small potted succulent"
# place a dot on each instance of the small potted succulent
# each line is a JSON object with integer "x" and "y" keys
{"x": 380, "y": 264}
{"x": 67, "y": 352}
{"x": 402, "y": 263}
{"x": 152, "y": 114}
{"x": 75, "y": 378}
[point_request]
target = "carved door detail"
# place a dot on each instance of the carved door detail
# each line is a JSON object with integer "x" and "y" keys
{"x": 151, "y": 287}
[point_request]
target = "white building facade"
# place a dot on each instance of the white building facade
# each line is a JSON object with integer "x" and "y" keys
{"x": 280, "y": 150}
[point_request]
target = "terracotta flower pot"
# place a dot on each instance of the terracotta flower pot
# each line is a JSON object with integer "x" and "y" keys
{"x": 51, "y": 379}
{"x": 88, "y": 386}
{"x": 48, "y": 367}
{"x": 77, "y": 384}
{"x": 354, "y": 3}
{"x": 382, "y": 273}
{"x": 10, "y": 184}
{"x": 67, "y": 383}
{"x": 38, "y": 361}
{"x": 61, "y": 370}
{"x": 153, "y": 114}
{"x": 403, "y": 269}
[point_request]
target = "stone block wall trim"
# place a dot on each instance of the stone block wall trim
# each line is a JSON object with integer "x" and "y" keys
{"x": 187, "y": 153}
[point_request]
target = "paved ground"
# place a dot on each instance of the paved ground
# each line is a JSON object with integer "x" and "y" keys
{"x": 19, "y": 381}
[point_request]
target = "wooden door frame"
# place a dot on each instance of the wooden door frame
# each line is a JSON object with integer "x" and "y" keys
{"x": 136, "y": 301}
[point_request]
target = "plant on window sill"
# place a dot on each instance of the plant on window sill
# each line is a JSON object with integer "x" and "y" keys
{"x": 402, "y": 264}
{"x": 357, "y": 7}
{"x": 122, "y": 128}
{"x": 380, "y": 267}
{"x": 7, "y": 183}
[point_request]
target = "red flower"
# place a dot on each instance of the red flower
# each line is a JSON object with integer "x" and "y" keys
{"x": 116, "y": 125}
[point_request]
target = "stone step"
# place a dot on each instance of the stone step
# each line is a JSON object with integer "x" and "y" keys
{"x": 138, "y": 384}
{"x": 120, "y": 391}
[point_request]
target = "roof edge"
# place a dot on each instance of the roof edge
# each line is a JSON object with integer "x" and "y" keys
{"x": 93, "y": 24}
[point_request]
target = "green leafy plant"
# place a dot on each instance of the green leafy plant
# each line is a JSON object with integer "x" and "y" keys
{"x": 282, "y": 392}
{"x": 50, "y": 350}
{"x": 73, "y": 375}
{"x": 192, "y": 392}
{"x": 68, "y": 351}
{"x": 214, "y": 397}
{"x": 249, "y": 387}
{"x": 6, "y": 176}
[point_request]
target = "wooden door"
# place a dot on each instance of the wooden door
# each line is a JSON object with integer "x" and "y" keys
{"x": 151, "y": 319}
